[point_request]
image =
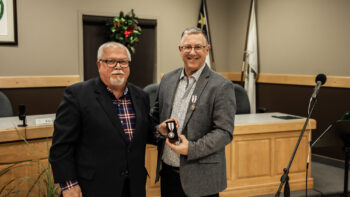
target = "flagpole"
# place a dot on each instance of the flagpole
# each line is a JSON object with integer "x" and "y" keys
{"x": 244, "y": 67}
{"x": 209, "y": 38}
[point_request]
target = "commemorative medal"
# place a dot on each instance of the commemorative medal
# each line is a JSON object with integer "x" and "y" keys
{"x": 172, "y": 135}
{"x": 193, "y": 101}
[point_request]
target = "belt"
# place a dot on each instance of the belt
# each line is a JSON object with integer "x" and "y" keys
{"x": 170, "y": 168}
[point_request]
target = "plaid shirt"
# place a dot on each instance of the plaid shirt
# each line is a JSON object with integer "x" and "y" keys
{"x": 126, "y": 113}
{"x": 127, "y": 117}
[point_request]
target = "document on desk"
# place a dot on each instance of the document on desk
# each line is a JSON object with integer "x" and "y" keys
{"x": 286, "y": 117}
{"x": 43, "y": 121}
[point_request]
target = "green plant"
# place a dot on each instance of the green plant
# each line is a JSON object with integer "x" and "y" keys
{"x": 1, "y": 9}
{"x": 124, "y": 29}
{"x": 4, "y": 190}
{"x": 44, "y": 181}
{"x": 10, "y": 187}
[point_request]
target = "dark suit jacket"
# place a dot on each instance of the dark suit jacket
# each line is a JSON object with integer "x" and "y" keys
{"x": 89, "y": 143}
{"x": 209, "y": 127}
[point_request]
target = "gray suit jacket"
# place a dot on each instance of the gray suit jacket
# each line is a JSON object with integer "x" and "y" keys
{"x": 209, "y": 127}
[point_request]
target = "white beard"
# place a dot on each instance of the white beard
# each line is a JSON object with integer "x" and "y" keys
{"x": 117, "y": 81}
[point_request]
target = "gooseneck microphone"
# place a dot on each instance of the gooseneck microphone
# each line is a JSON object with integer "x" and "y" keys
{"x": 320, "y": 80}
{"x": 22, "y": 115}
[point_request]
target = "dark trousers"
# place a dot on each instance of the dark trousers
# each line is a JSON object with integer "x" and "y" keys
{"x": 170, "y": 183}
{"x": 126, "y": 188}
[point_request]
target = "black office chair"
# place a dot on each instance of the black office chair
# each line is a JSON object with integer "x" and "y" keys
{"x": 242, "y": 100}
{"x": 5, "y": 106}
{"x": 151, "y": 90}
{"x": 342, "y": 128}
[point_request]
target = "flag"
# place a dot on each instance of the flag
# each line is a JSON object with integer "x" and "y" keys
{"x": 251, "y": 59}
{"x": 203, "y": 24}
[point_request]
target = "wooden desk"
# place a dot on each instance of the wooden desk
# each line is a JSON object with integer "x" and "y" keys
{"x": 261, "y": 148}
{"x": 14, "y": 149}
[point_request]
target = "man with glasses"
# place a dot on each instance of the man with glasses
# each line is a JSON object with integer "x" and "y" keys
{"x": 101, "y": 130}
{"x": 204, "y": 104}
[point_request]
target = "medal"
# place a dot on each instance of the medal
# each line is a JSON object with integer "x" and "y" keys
{"x": 192, "y": 107}
{"x": 193, "y": 100}
{"x": 171, "y": 126}
{"x": 172, "y": 135}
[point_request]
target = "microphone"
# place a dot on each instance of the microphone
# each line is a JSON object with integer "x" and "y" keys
{"x": 22, "y": 115}
{"x": 320, "y": 80}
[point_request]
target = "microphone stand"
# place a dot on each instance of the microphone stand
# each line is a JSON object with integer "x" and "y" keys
{"x": 285, "y": 177}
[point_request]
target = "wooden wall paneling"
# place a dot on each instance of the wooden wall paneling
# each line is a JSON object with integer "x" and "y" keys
{"x": 20, "y": 151}
{"x": 7, "y": 135}
{"x": 292, "y": 79}
{"x": 290, "y": 94}
{"x": 331, "y": 105}
{"x": 26, "y": 172}
{"x": 152, "y": 188}
{"x": 259, "y": 159}
{"x": 44, "y": 100}
{"x": 253, "y": 161}
{"x": 24, "y": 176}
{"x": 285, "y": 147}
{"x": 37, "y": 81}
{"x": 40, "y": 94}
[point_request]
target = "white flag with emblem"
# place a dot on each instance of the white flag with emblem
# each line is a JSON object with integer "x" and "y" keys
{"x": 251, "y": 71}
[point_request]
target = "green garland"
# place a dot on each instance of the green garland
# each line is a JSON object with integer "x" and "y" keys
{"x": 124, "y": 29}
{"x": 1, "y": 9}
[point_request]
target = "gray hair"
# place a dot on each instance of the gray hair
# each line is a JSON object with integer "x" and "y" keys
{"x": 113, "y": 45}
{"x": 192, "y": 30}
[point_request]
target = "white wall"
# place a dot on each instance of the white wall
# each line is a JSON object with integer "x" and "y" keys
{"x": 48, "y": 32}
{"x": 295, "y": 36}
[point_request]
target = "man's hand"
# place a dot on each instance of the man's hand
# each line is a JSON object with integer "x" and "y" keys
{"x": 163, "y": 129}
{"x": 73, "y": 192}
{"x": 181, "y": 148}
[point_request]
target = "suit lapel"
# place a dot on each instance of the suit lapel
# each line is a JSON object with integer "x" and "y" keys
{"x": 201, "y": 83}
{"x": 171, "y": 87}
{"x": 104, "y": 100}
{"x": 138, "y": 107}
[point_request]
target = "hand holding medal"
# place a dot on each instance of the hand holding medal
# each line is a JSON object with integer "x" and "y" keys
{"x": 172, "y": 134}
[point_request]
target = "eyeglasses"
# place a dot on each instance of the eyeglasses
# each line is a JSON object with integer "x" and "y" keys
{"x": 188, "y": 48}
{"x": 113, "y": 63}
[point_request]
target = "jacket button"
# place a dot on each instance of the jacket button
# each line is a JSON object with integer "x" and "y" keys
{"x": 124, "y": 173}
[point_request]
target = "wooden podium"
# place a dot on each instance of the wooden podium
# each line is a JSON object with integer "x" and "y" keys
{"x": 261, "y": 148}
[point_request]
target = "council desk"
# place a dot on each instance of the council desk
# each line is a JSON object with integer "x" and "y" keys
{"x": 261, "y": 148}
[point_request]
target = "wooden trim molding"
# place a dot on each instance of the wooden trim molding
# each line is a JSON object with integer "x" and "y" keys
{"x": 293, "y": 79}
{"x": 233, "y": 76}
{"x": 38, "y": 81}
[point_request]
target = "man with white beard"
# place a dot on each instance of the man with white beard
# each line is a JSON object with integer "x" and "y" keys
{"x": 101, "y": 130}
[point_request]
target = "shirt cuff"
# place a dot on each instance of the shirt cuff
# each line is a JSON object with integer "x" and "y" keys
{"x": 68, "y": 185}
{"x": 157, "y": 134}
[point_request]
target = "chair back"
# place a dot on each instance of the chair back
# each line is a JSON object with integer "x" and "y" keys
{"x": 5, "y": 106}
{"x": 151, "y": 90}
{"x": 342, "y": 128}
{"x": 242, "y": 100}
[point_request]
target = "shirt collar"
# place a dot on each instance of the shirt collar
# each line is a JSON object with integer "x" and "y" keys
{"x": 195, "y": 75}
{"x": 126, "y": 90}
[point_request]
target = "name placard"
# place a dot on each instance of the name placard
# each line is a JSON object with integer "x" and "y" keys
{"x": 43, "y": 121}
